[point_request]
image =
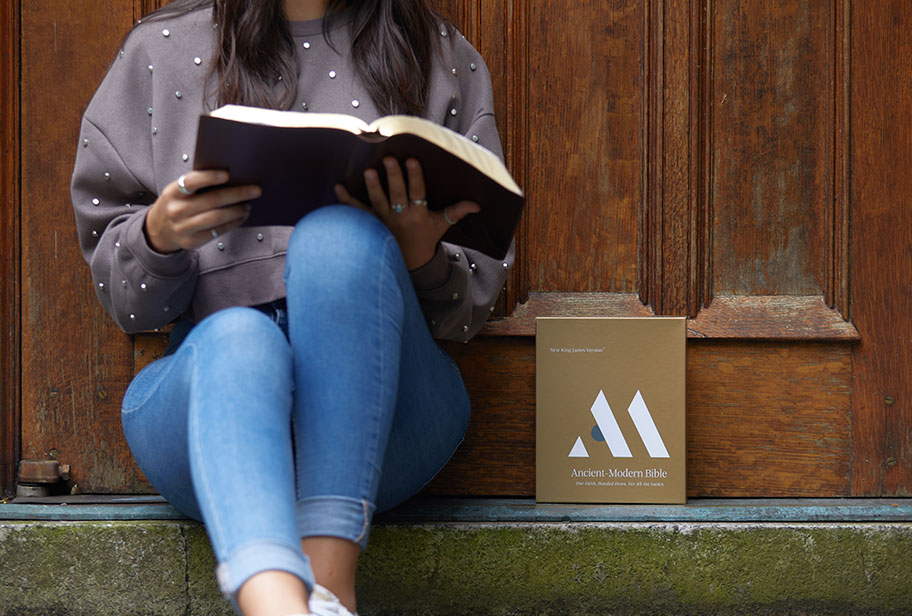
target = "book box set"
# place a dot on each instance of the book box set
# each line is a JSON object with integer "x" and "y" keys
{"x": 610, "y": 410}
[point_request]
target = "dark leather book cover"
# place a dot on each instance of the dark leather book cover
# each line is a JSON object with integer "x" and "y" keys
{"x": 297, "y": 168}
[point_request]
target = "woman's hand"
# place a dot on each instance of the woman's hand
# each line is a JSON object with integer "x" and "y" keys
{"x": 180, "y": 219}
{"x": 405, "y": 211}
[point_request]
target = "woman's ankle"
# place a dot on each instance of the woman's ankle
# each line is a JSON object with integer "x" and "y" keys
{"x": 334, "y": 562}
{"x": 273, "y": 593}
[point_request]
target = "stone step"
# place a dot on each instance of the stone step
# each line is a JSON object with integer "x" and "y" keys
{"x": 464, "y": 556}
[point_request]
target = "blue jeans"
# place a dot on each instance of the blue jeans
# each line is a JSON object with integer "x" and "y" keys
{"x": 269, "y": 436}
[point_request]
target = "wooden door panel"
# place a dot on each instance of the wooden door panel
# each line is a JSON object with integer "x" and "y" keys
{"x": 768, "y": 419}
{"x": 688, "y": 158}
{"x": 584, "y": 97}
{"x": 772, "y": 135}
{"x": 75, "y": 363}
{"x": 9, "y": 245}
{"x": 881, "y": 270}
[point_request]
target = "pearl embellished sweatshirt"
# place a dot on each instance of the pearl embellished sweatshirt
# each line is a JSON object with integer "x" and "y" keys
{"x": 138, "y": 135}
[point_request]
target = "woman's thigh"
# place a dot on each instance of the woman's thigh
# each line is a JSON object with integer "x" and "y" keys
{"x": 218, "y": 356}
{"x": 155, "y": 411}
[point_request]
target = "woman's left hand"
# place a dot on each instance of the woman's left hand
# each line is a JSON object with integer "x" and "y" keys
{"x": 404, "y": 211}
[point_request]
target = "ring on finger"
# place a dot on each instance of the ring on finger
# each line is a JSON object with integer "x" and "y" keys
{"x": 420, "y": 202}
{"x": 446, "y": 217}
{"x": 397, "y": 207}
{"x": 213, "y": 232}
{"x": 181, "y": 186}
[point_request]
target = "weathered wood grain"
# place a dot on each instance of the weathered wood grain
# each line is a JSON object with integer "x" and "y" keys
{"x": 651, "y": 246}
{"x": 740, "y": 317}
{"x": 763, "y": 420}
{"x": 772, "y": 67}
{"x": 147, "y": 347}
{"x": 584, "y": 142}
{"x": 676, "y": 281}
{"x": 75, "y": 362}
{"x": 9, "y": 245}
{"x": 522, "y": 320}
{"x": 770, "y": 317}
{"x": 768, "y": 419}
{"x": 702, "y": 217}
{"x": 837, "y": 292}
{"x": 674, "y": 249}
{"x": 881, "y": 257}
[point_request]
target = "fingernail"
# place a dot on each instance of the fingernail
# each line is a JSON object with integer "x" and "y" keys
{"x": 254, "y": 192}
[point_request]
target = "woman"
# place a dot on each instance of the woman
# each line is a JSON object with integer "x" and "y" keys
{"x": 302, "y": 389}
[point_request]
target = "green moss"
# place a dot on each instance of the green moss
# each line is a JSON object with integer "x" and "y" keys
{"x": 91, "y": 568}
{"x": 638, "y": 569}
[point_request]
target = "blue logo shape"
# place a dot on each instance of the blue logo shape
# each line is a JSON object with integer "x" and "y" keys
{"x": 597, "y": 434}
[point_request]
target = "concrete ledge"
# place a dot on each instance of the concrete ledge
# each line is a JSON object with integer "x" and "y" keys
{"x": 621, "y": 568}
{"x": 435, "y": 509}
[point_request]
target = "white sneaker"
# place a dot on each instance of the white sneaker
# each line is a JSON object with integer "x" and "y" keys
{"x": 324, "y": 603}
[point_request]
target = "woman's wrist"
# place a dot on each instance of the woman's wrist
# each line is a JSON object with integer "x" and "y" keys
{"x": 150, "y": 231}
{"x": 418, "y": 257}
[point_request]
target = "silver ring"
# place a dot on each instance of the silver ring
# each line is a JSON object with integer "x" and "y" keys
{"x": 213, "y": 232}
{"x": 420, "y": 202}
{"x": 446, "y": 216}
{"x": 181, "y": 186}
{"x": 397, "y": 207}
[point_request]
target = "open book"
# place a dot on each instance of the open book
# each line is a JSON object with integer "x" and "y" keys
{"x": 298, "y": 157}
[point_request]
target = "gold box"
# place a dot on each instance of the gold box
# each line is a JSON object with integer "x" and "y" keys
{"x": 610, "y": 410}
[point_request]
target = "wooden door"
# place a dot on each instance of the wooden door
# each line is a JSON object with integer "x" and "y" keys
{"x": 740, "y": 163}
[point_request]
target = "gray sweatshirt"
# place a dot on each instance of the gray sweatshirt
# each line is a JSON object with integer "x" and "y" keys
{"x": 138, "y": 135}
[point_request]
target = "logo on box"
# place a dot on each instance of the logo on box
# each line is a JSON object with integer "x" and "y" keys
{"x": 607, "y": 430}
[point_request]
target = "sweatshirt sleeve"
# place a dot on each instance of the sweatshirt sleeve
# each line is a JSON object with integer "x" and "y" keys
{"x": 458, "y": 288}
{"x": 112, "y": 188}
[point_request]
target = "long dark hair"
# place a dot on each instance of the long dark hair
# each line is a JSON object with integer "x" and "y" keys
{"x": 393, "y": 46}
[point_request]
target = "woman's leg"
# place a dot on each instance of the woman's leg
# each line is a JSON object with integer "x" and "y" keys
{"x": 210, "y": 427}
{"x": 362, "y": 356}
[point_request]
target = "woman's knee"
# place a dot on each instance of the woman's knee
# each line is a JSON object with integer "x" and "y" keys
{"x": 241, "y": 363}
{"x": 337, "y": 231}
{"x": 340, "y": 246}
{"x": 238, "y": 334}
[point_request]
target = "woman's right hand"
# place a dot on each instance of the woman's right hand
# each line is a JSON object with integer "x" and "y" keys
{"x": 179, "y": 220}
